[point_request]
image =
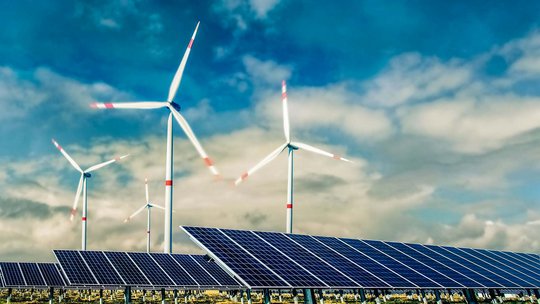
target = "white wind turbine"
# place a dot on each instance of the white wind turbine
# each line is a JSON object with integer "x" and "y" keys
{"x": 173, "y": 109}
{"x": 292, "y": 146}
{"x": 148, "y": 205}
{"x": 85, "y": 174}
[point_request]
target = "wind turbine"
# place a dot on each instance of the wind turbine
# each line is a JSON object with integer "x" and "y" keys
{"x": 173, "y": 109}
{"x": 85, "y": 174}
{"x": 291, "y": 146}
{"x": 149, "y": 207}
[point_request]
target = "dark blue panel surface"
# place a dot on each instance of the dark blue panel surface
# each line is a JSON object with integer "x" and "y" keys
{"x": 309, "y": 261}
{"x": 391, "y": 263}
{"x": 517, "y": 263}
{"x": 51, "y": 274}
{"x": 427, "y": 260}
{"x": 238, "y": 260}
{"x": 127, "y": 269}
{"x": 455, "y": 266}
{"x": 101, "y": 268}
{"x": 528, "y": 258}
{"x": 456, "y": 255}
{"x": 151, "y": 270}
{"x": 74, "y": 268}
{"x": 496, "y": 265}
{"x": 31, "y": 274}
{"x": 215, "y": 271}
{"x": 194, "y": 269}
{"x": 12, "y": 274}
{"x": 367, "y": 263}
{"x": 175, "y": 272}
{"x": 275, "y": 260}
{"x": 439, "y": 278}
{"x": 352, "y": 270}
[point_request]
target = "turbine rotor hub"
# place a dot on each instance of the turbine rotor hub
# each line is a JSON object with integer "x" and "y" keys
{"x": 87, "y": 175}
{"x": 175, "y": 106}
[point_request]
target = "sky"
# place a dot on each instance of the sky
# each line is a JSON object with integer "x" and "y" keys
{"x": 437, "y": 104}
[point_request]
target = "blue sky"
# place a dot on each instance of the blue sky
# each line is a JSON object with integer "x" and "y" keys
{"x": 437, "y": 103}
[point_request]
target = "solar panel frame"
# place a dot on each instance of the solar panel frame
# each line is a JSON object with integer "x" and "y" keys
{"x": 517, "y": 262}
{"x": 12, "y": 274}
{"x": 127, "y": 269}
{"x": 173, "y": 270}
{"x": 101, "y": 267}
{"x": 215, "y": 271}
{"x": 152, "y": 271}
{"x": 51, "y": 274}
{"x": 75, "y": 268}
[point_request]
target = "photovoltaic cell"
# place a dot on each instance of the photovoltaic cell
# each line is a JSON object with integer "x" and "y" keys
{"x": 127, "y": 269}
{"x": 428, "y": 272}
{"x": 455, "y": 256}
{"x": 500, "y": 268}
{"x": 101, "y": 268}
{"x": 74, "y": 268}
{"x": 151, "y": 270}
{"x": 347, "y": 267}
{"x": 391, "y": 263}
{"x": 217, "y": 273}
{"x": 175, "y": 272}
{"x": 320, "y": 269}
{"x": 238, "y": 260}
{"x": 31, "y": 274}
{"x": 12, "y": 274}
{"x": 427, "y": 260}
{"x": 275, "y": 260}
{"x": 371, "y": 265}
{"x": 195, "y": 270}
{"x": 525, "y": 267}
{"x": 51, "y": 274}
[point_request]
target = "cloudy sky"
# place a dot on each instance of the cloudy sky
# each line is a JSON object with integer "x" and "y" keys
{"x": 437, "y": 103}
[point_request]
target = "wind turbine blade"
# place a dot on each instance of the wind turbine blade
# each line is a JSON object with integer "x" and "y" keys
{"x": 103, "y": 164}
{"x": 77, "y": 195}
{"x": 178, "y": 76}
{"x": 146, "y": 190}
{"x": 135, "y": 213}
{"x": 319, "y": 151}
{"x": 185, "y": 126}
{"x": 71, "y": 161}
{"x": 129, "y": 105}
{"x": 158, "y": 206}
{"x": 286, "y": 126}
{"x": 261, "y": 164}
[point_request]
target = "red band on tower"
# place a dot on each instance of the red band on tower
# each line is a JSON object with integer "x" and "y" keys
{"x": 168, "y": 182}
{"x": 84, "y": 218}
{"x": 284, "y": 95}
{"x": 289, "y": 206}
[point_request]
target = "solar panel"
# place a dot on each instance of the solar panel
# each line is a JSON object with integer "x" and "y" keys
{"x": 127, "y": 269}
{"x": 12, "y": 274}
{"x": 75, "y": 269}
{"x": 426, "y": 271}
{"x": 350, "y": 269}
{"x": 31, "y": 274}
{"x": 238, "y": 260}
{"x": 278, "y": 262}
{"x": 216, "y": 272}
{"x": 351, "y": 263}
{"x": 151, "y": 270}
{"x": 102, "y": 269}
{"x": 194, "y": 269}
{"x": 322, "y": 270}
{"x": 174, "y": 270}
{"x": 51, "y": 274}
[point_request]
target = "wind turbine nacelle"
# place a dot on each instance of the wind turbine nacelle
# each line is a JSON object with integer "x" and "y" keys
{"x": 87, "y": 175}
{"x": 175, "y": 106}
{"x": 293, "y": 147}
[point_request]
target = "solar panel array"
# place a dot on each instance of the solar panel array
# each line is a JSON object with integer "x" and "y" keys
{"x": 145, "y": 270}
{"x": 33, "y": 275}
{"x": 278, "y": 260}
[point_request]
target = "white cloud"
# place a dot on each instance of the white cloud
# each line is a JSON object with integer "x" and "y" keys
{"x": 265, "y": 71}
{"x": 411, "y": 77}
{"x": 262, "y": 7}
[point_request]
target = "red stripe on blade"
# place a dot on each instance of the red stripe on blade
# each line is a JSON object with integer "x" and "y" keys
{"x": 108, "y": 105}
{"x": 244, "y": 176}
{"x": 94, "y": 105}
{"x": 168, "y": 182}
{"x": 208, "y": 161}
{"x": 190, "y": 44}
{"x": 336, "y": 157}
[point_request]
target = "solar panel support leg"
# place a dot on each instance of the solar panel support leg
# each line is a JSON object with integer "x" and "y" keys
{"x": 175, "y": 294}
{"x": 537, "y": 295}
{"x": 423, "y": 296}
{"x": 376, "y": 295}
{"x": 8, "y": 300}
{"x": 267, "y": 299}
{"x": 279, "y": 294}
{"x": 295, "y": 296}
{"x": 383, "y": 292}
{"x": 438, "y": 296}
{"x": 51, "y": 295}
{"x": 470, "y": 296}
{"x": 127, "y": 295}
{"x": 362, "y": 294}
{"x": 248, "y": 295}
{"x": 186, "y": 294}
{"x": 163, "y": 296}
{"x": 101, "y": 296}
